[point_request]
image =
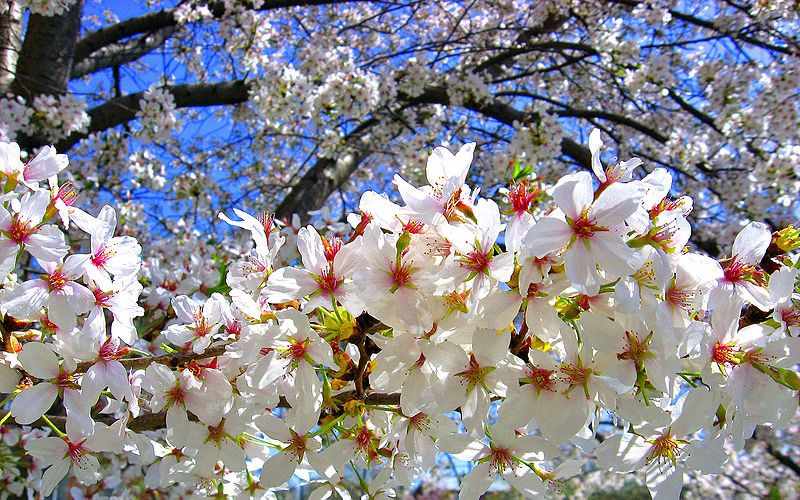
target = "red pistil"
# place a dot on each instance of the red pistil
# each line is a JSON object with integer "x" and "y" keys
{"x": 679, "y": 297}
{"x": 791, "y": 316}
{"x": 583, "y": 227}
{"x": 111, "y": 350}
{"x": 520, "y": 198}
{"x": 101, "y": 298}
{"x": 56, "y": 281}
{"x": 75, "y": 450}
{"x": 331, "y": 248}
{"x": 267, "y": 221}
{"x": 477, "y": 261}
{"x": 20, "y": 231}
{"x": 366, "y": 218}
{"x": 736, "y": 271}
{"x": 101, "y": 257}
{"x": 328, "y": 281}
{"x": 413, "y": 226}
{"x": 297, "y": 349}
{"x": 725, "y": 353}
{"x": 176, "y": 395}
{"x": 401, "y": 274}
{"x": 541, "y": 378}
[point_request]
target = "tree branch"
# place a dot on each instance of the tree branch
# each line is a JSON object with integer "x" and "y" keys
{"x": 121, "y": 54}
{"x": 156, "y": 21}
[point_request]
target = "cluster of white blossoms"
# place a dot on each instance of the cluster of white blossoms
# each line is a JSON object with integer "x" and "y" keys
{"x": 55, "y": 116}
{"x": 560, "y": 327}
{"x": 156, "y": 114}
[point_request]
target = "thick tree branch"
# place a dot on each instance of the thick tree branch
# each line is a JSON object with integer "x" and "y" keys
{"x": 121, "y": 54}
{"x": 156, "y": 21}
{"x": 123, "y": 109}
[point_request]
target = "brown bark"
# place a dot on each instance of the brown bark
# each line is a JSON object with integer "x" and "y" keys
{"x": 45, "y": 62}
{"x": 10, "y": 42}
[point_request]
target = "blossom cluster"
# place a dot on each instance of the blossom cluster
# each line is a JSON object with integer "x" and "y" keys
{"x": 528, "y": 335}
{"x": 56, "y": 117}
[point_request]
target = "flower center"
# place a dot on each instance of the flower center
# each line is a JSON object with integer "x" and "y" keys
{"x": 101, "y": 298}
{"x": 477, "y": 261}
{"x": 102, "y": 256}
{"x": 725, "y": 353}
{"x": 501, "y": 458}
{"x": 298, "y": 349}
{"x": 541, "y": 379}
{"x": 520, "y": 198}
{"x": 474, "y": 373}
{"x": 736, "y": 271}
{"x": 401, "y": 274}
{"x": 56, "y": 281}
{"x": 636, "y": 350}
{"x": 664, "y": 448}
{"x": 328, "y": 282}
{"x": 111, "y": 350}
{"x": 583, "y": 227}
{"x": 297, "y": 445}
{"x": 75, "y": 450}
{"x": 20, "y": 230}
{"x": 791, "y": 316}
{"x": 176, "y": 395}
{"x": 420, "y": 421}
{"x": 680, "y": 297}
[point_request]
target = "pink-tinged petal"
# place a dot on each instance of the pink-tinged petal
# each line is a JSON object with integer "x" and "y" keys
{"x": 267, "y": 371}
{"x": 322, "y": 353}
{"x": 416, "y": 199}
{"x": 528, "y": 484}
{"x": 289, "y": 283}
{"x": 47, "y": 244}
{"x": 44, "y": 165}
{"x": 185, "y": 308}
{"x": 39, "y": 360}
{"x": 499, "y": 308}
{"x": 309, "y": 244}
{"x": 751, "y": 243}
{"x": 10, "y": 163}
{"x": 547, "y": 236}
{"x": 616, "y": 203}
{"x": 516, "y": 230}
{"x": 33, "y": 402}
{"x": 27, "y": 300}
{"x": 33, "y": 206}
{"x": 573, "y": 193}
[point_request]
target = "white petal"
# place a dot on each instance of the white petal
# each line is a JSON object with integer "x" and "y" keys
{"x": 33, "y": 402}
{"x": 751, "y": 243}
